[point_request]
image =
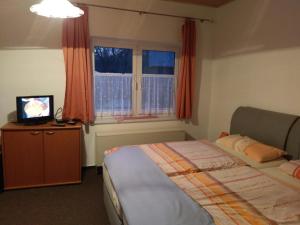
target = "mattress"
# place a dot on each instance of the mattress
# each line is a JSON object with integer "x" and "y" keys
{"x": 111, "y": 192}
{"x": 250, "y": 162}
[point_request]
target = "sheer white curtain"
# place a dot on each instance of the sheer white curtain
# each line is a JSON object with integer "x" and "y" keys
{"x": 158, "y": 82}
{"x": 157, "y": 94}
{"x": 113, "y": 94}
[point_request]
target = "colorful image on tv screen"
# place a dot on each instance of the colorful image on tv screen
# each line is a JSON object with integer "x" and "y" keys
{"x": 36, "y": 107}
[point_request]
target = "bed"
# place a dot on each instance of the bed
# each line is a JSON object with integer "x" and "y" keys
{"x": 242, "y": 195}
{"x": 182, "y": 157}
{"x": 280, "y": 130}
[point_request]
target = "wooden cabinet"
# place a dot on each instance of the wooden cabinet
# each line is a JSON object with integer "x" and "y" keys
{"x": 22, "y": 154}
{"x": 61, "y": 155}
{"x": 40, "y": 155}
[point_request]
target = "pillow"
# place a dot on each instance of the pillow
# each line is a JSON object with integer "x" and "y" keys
{"x": 251, "y": 162}
{"x": 263, "y": 153}
{"x": 292, "y": 168}
{"x": 242, "y": 144}
{"x": 223, "y": 134}
{"x": 229, "y": 141}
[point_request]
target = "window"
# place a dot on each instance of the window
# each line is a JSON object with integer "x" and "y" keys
{"x": 158, "y": 81}
{"x": 113, "y": 80}
{"x": 133, "y": 81}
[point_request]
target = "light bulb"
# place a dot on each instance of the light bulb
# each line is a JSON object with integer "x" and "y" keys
{"x": 56, "y": 9}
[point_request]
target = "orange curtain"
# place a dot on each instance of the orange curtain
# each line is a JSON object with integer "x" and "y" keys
{"x": 77, "y": 54}
{"x": 186, "y": 71}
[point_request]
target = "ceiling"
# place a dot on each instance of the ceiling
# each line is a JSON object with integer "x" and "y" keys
{"x": 211, "y": 3}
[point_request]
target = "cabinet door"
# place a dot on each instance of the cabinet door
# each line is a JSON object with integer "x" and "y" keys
{"x": 62, "y": 156}
{"x": 23, "y": 158}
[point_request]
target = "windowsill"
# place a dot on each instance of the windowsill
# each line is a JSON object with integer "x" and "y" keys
{"x": 134, "y": 119}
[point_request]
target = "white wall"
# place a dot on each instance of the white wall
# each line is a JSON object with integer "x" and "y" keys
{"x": 31, "y": 59}
{"x": 256, "y": 59}
{"x": 29, "y": 72}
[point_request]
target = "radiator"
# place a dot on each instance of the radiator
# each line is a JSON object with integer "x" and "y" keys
{"x": 108, "y": 140}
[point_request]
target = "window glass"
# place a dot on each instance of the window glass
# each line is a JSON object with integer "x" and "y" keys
{"x": 158, "y": 62}
{"x": 113, "y": 60}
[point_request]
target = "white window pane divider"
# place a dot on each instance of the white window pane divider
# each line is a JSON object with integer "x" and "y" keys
{"x": 112, "y": 74}
{"x": 159, "y": 75}
{"x": 135, "y": 83}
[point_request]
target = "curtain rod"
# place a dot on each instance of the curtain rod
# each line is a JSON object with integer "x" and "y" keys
{"x": 202, "y": 20}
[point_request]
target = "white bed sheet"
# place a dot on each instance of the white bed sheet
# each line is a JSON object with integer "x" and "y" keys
{"x": 279, "y": 175}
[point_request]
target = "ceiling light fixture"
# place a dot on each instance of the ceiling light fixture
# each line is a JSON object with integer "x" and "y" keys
{"x": 56, "y": 9}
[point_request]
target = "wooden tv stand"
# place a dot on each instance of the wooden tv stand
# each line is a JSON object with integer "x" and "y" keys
{"x": 40, "y": 155}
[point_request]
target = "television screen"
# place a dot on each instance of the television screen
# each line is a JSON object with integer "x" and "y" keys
{"x": 34, "y": 109}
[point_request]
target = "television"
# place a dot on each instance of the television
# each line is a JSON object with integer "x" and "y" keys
{"x": 34, "y": 109}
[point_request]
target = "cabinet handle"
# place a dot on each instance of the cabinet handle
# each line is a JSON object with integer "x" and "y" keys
{"x": 50, "y": 132}
{"x": 35, "y": 133}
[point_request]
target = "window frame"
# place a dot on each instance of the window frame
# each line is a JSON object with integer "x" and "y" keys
{"x": 137, "y": 48}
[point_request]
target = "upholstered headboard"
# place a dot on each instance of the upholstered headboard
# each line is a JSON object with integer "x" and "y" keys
{"x": 272, "y": 128}
{"x": 293, "y": 141}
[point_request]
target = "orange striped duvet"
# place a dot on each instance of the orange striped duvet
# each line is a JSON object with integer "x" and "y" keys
{"x": 183, "y": 157}
{"x": 242, "y": 195}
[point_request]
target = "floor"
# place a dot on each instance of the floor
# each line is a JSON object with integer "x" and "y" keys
{"x": 80, "y": 204}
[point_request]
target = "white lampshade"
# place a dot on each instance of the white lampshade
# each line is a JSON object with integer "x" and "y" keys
{"x": 56, "y": 9}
